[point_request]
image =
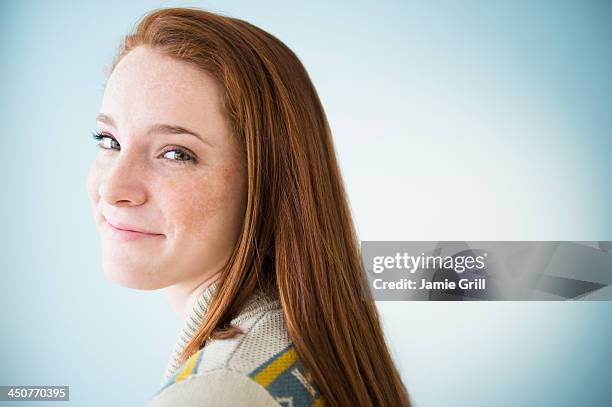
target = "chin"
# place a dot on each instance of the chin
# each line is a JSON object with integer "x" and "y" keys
{"x": 132, "y": 277}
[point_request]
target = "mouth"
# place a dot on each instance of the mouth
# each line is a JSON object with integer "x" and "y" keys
{"x": 128, "y": 233}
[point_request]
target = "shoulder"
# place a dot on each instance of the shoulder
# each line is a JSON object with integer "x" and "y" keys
{"x": 214, "y": 388}
{"x": 262, "y": 363}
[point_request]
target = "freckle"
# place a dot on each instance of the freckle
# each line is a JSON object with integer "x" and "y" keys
{"x": 209, "y": 197}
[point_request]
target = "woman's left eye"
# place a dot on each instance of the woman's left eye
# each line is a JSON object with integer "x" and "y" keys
{"x": 179, "y": 155}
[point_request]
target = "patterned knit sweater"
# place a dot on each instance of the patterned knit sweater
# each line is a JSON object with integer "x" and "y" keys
{"x": 258, "y": 368}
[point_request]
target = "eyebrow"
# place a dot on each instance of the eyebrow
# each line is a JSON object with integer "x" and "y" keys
{"x": 157, "y": 128}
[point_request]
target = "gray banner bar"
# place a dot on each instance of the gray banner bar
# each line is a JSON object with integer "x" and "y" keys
{"x": 488, "y": 271}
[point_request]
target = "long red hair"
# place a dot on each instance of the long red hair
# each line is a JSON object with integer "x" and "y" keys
{"x": 298, "y": 239}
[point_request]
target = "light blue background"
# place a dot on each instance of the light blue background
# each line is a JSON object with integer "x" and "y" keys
{"x": 454, "y": 120}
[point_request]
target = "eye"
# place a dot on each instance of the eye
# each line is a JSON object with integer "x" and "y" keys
{"x": 180, "y": 155}
{"x": 106, "y": 141}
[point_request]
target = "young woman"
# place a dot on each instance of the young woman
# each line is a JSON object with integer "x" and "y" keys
{"x": 217, "y": 180}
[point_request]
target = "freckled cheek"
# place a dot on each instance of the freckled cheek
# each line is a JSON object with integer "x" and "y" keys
{"x": 205, "y": 207}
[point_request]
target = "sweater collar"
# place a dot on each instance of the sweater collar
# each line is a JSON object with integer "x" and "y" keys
{"x": 190, "y": 326}
{"x": 256, "y": 303}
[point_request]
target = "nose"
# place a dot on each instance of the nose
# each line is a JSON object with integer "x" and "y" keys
{"x": 123, "y": 183}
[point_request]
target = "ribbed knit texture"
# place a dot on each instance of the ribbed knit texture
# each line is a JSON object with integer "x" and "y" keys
{"x": 194, "y": 319}
{"x": 257, "y": 303}
{"x": 264, "y": 353}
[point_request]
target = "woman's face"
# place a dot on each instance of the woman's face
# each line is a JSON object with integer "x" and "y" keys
{"x": 187, "y": 190}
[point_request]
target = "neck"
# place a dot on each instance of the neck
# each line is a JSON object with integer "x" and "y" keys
{"x": 182, "y": 296}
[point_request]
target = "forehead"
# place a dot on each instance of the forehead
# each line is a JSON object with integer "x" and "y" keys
{"x": 148, "y": 86}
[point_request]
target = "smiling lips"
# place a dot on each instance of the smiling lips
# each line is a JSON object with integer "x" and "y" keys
{"x": 125, "y": 232}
